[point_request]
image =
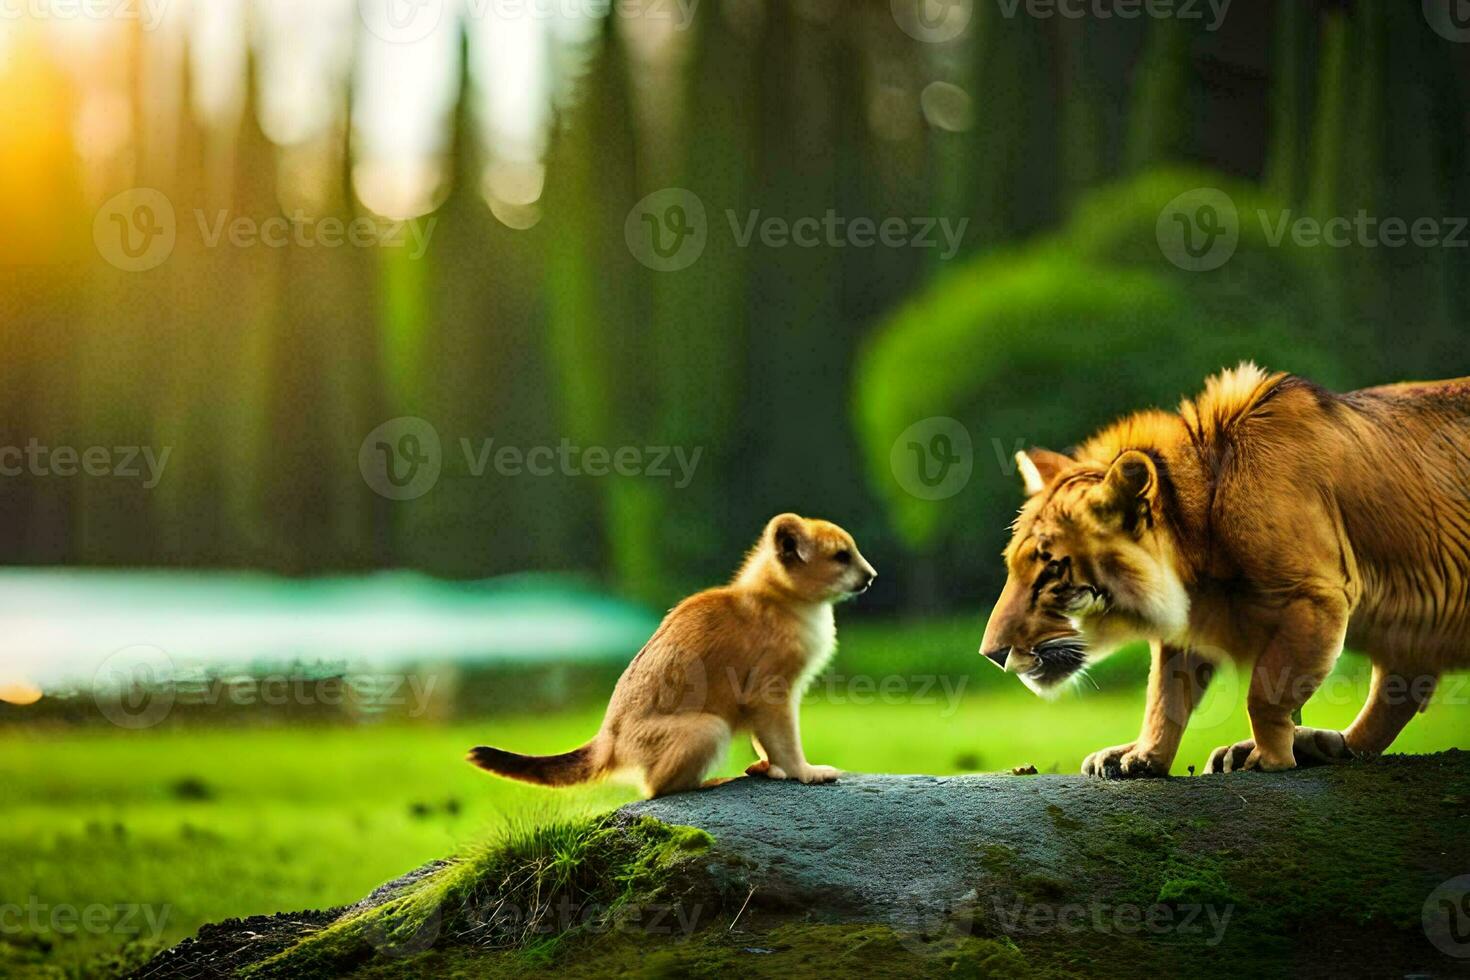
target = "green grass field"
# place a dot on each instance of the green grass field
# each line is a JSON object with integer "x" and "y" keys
{"x": 111, "y": 836}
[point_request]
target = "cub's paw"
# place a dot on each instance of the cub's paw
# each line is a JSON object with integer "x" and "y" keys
{"x": 1309, "y": 747}
{"x": 809, "y": 774}
{"x": 1123, "y": 762}
{"x": 819, "y": 774}
{"x": 764, "y": 768}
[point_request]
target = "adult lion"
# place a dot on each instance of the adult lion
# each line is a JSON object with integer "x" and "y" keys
{"x": 1268, "y": 521}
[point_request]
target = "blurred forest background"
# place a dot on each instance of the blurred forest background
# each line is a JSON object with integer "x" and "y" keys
{"x": 520, "y": 145}
{"x": 529, "y": 320}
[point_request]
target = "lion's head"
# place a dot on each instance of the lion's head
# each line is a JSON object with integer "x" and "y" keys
{"x": 1091, "y": 565}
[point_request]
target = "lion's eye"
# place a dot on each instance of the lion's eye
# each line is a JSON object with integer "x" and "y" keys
{"x": 843, "y": 557}
{"x": 1085, "y": 598}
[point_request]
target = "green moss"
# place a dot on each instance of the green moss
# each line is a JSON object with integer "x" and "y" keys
{"x": 998, "y": 859}
{"x": 790, "y": 952}
{"x": 1060, "y": 820}
{"x": 1041, "y": 887}
{"x": 1204, "y": 886}
{"x": 526, "y": 893}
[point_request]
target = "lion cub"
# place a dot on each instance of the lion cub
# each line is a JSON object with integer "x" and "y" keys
{"x": 731, "y": 658}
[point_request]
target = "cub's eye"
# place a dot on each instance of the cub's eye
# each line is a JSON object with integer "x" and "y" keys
{"x": 843, "y": 557}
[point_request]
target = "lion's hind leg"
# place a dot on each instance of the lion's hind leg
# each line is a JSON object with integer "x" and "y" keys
{"x": 1394, "y": 699}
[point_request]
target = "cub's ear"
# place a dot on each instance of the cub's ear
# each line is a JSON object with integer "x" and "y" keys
{"x": 1038, "y": 466}
{"x": 790, "y": 539}
{"x": 1128, "y": 491}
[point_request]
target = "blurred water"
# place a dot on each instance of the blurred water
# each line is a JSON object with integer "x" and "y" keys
{"x": 58, "y": 626}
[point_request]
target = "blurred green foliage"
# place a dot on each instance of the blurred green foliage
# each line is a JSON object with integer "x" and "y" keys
{"x": 1054, "y": 140}
{"x": 1041, "y": 344}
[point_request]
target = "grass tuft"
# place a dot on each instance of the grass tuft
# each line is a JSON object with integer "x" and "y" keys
{"x": 529, "y": 891}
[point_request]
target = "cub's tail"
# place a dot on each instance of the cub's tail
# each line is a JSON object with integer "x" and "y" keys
{"x": 567, "y": 769}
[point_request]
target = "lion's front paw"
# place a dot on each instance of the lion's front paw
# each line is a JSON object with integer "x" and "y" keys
{"x": 1232, "y": 758}
{"x": 1123, "y": 762}
{"x": 1309, "y": 747}
{"x": 1246, "y": 757}
{"x": 819, "y": 774}
{"x": 1320, "y": 747}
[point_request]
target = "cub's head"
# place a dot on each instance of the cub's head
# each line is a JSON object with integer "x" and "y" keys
{"x": 1091, "y": 565}
{"x": 815, "y": 560}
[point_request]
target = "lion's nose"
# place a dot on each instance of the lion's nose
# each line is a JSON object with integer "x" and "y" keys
{"x": 998, "y": 656}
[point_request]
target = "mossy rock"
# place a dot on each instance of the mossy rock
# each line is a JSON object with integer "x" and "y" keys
{"x": 1320, "y": 872}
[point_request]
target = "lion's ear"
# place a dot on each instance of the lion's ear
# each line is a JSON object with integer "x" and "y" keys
{"x": 1038, "y": 466}
{"x": 1128, "y": 491}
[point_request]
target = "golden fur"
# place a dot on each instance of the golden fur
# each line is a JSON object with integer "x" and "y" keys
{"x": 728, "y": 659}
{"x": 1267, "y": 521}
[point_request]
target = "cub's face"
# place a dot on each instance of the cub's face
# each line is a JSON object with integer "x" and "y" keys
{"x": 1089, "y": 567}
{"x": 820, "y": 560}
